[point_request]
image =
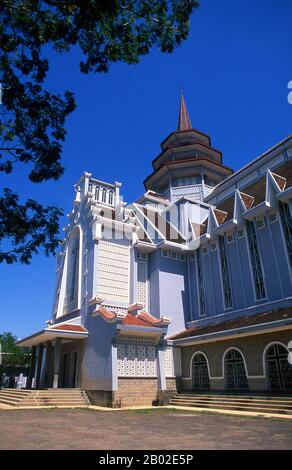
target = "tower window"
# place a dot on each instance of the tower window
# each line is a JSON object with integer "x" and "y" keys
{"x": 104, "y": 193}
{"x": 72, "y": 283}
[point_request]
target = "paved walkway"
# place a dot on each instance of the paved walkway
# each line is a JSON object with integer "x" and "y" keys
{"x": 242, "y": 413}
{"x": 140, "y": 429}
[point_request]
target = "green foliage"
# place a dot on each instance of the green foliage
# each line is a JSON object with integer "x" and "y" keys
{"x": 11, "y": 354}
{"x": 32, "y": 119}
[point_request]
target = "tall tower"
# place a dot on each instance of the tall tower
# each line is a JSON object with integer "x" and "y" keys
{"x": 188, "y": 165}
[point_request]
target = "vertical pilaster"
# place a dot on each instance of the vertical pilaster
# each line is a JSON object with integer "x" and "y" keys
{"x": 44, "y": 365}
{"x": 57, "y": 360}
{"x": 38, "y": 365}
{"x": 114, "y": 367}
{"x": 117, "y": 191}
{"x": 31, "y": 368}
{"x": 161, "y": 381}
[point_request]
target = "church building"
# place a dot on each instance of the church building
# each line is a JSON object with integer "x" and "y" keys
{"x": 187, "y": 288}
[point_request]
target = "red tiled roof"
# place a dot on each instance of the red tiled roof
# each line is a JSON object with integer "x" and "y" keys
{"x": 259, "y": 318}
{"x": 68, "y": 327}
{"x": 141, "y": 319}
{"x": 136, "y": 320}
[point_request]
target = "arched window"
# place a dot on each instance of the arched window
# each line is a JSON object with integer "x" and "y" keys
{"x": 104, "y": 193}
{"x": 97, "y": 193}
{"x": 279, "y": 371}
{"x": 72, "y": 279}
{"x": 200, "y": 372}
{"x": 111, "y": 198}
{"x": 235, "y": 373}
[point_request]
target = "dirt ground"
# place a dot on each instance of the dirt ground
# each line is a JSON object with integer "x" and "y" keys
{"x": 147, "y": 429}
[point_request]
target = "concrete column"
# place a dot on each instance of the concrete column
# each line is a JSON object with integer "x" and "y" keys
{"x": 31, "y": 368}
{"x": 38, "y": 365}
{"x": 114, "y": 367}
{"x": 57, "y": 360}
{"x": 44, "y": 365}
{"x": 161, "y": 381}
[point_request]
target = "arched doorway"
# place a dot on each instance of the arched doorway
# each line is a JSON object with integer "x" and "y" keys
{"x": 279, "y": 371}
{"x": 235, "y": 373}
{"x": 200, "y": 373}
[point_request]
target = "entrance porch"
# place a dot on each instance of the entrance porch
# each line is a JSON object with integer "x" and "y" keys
{"x": 56, "y": 356}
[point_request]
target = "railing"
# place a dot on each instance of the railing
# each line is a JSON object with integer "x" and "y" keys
{"x": 103, "y": 193}
{"x": 194, "y": 189}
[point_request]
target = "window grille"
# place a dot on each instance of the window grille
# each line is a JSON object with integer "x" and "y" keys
{"x": 226, "y": 285}
{"x": 230, "y": 237}
{"x": 273, "y": 217}
{"x": 240, "y": 233}
{"x": 201, "y": 288}
{"x": 256, "y": 265}
{"x": 286, "y": 219}
{"x": 260, "y": 223}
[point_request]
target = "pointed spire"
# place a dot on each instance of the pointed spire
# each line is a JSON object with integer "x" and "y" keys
{"x": 184, "y": 122}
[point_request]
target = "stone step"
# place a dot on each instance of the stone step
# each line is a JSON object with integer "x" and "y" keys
{"x": 14, "y": 392}
{"x": 53, "y": 403}
{"x": 48, "y": 397}
{"x": 236, "y": 407}
{"x": 64, "y": 395}
{"x": 234, "y": 400}
{"x": 9, "y": 401}
{"x": 238, "y": 396}
{"x": 234, "y": 403}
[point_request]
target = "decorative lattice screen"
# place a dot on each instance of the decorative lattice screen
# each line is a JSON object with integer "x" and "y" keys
{"x": 113, "y": 271}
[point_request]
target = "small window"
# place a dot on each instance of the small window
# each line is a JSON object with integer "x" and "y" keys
{"x": 273, "y": 217}
{"x": 165, "y": 253}
{"x": 174, "y": 255}
{"x": 213, "y": 246}
{"x": 110, "y": 198}
{"x": 142, "y": 256}
{"x": 192, "y": 256}
{"x": 205, "y": 250}
{"x": 104, "y": 193}
{"x": 240, "y": 233}
{"x": 97, "y": 193}
{"x": 230, "y": 237}
{"x": 260, "y": 223}
{"x": 182, "y": 257}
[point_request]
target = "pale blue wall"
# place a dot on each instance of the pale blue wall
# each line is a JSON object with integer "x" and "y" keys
{"x": 97, "y": 361}
{"x": 174, "y": 293}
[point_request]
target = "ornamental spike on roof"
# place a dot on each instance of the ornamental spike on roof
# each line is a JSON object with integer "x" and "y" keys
{"x": 184, "y": 122}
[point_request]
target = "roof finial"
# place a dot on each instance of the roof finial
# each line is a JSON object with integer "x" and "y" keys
{"x": 184, "y": 122}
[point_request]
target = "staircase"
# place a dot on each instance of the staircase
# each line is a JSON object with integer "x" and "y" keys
{"x": 251, "y": 403}
{"x": 51, "y": 397}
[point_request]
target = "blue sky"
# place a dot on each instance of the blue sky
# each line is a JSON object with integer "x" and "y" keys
{"x": 234, "y": 69}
